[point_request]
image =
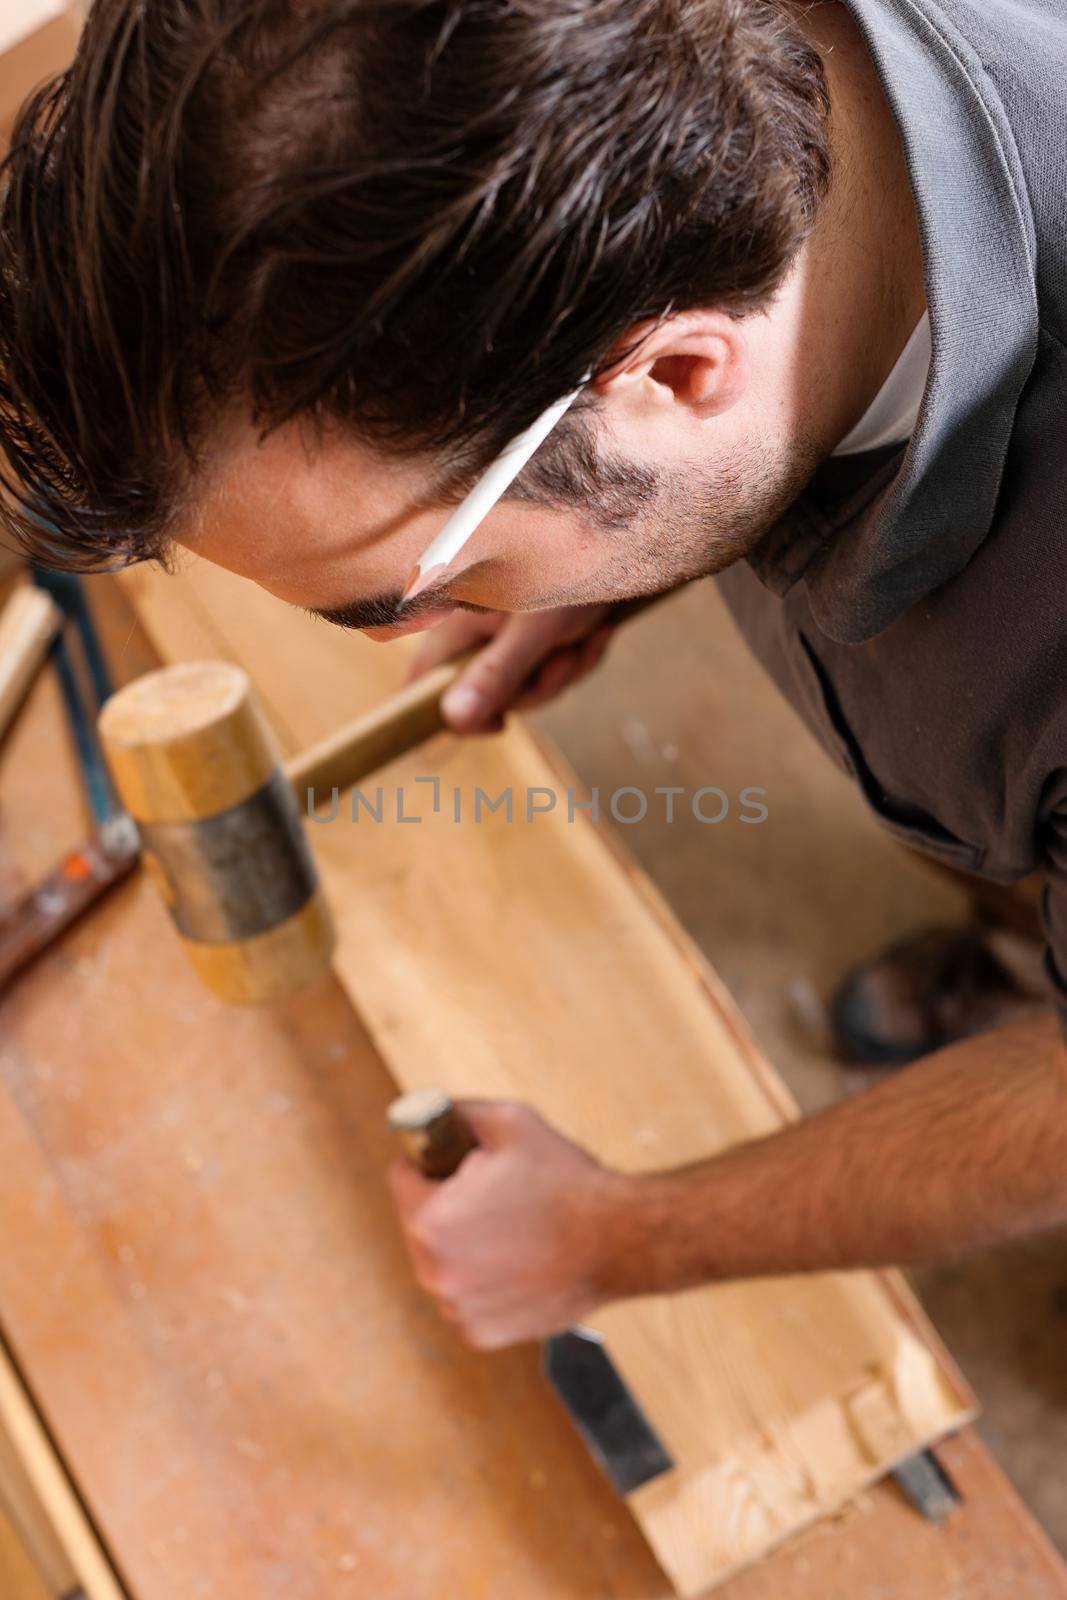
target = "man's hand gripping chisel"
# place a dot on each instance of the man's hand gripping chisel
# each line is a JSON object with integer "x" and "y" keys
{"x": 615, "y": 1429}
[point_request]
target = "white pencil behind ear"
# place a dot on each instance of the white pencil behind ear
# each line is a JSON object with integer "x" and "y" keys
{"x": 476, "y": 506}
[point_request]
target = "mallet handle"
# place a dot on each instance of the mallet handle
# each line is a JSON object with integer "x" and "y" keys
{"x": 393, "y": 728}
{"x": 388, "y": 731}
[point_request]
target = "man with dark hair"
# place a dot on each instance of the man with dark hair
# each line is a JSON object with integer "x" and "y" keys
{"x": 279, "y": 279}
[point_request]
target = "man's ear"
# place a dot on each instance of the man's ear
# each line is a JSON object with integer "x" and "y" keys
{"x": 697, "y": 360}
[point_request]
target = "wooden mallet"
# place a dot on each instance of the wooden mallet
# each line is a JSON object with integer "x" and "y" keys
{"x": 219, "y": 813}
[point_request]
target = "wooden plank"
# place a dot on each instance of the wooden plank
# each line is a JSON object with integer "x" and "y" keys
{"x": 66, "y": 1529}
{"x": 29, "y": 621}
{"x": 33, "y": 48}
{"x": 480, "y": 952}
{"x": 205, "y": 1286}
{"x": 29, "y": 1526}
{"x": 258, "y": 1402}
{"x": 21, "y": 17}
{"x": 878, "y": 1549}
{"x": 19, "y": 1577}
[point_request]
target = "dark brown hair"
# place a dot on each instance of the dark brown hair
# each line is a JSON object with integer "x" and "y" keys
{"x": 425, "y": 219}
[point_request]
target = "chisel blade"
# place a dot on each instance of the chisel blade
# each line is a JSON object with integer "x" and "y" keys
{"x": 928, "y": 1486}
{"x": 618, "y": 1434}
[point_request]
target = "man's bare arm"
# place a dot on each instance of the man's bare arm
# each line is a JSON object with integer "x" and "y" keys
{"x": 966, "y": 1147}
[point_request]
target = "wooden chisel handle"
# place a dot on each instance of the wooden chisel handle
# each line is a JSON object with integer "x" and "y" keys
{"x": 431, "y": 1131}
{"x": 576, "y": 1361}
{"x": 391, "y": 729}
{"x": 38, "y": 917}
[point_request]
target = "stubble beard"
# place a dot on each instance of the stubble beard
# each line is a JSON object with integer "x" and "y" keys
{"x": 681, "y": 525}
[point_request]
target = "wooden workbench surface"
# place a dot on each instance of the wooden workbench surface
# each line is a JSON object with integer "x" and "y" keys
{"x": 163, "y": 1296}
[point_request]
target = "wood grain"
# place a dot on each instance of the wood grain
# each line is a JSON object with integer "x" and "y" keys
{"x": 878, "y": 1549}
{"x": 61, "y": 1524}
{"x": 204, "y": 1283}
{"x": 33, "y": 1564}
{"x": 19, "y": 1577}
{"x": 519, "y": 957}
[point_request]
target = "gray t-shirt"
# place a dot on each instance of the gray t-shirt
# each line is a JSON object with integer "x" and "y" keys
{"x": 912, "y": 604}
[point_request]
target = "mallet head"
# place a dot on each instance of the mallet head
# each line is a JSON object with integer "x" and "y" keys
{"x": 197, "y": 767}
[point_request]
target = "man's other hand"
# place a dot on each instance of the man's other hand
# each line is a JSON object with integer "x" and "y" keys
{"x": 527, "y": 659}
{"x": 519, "y": 1243}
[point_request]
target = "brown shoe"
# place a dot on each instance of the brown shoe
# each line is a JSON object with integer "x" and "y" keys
{"x": 927, "y": 991}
